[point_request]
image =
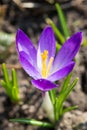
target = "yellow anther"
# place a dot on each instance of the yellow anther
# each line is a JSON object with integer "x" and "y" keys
{"x": 44, "y": 56}
{"x": 49, "y": 66}
{"x": 46, "y": 68}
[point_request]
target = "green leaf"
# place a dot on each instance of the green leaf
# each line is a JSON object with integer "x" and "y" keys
{"x": 3, "y": 83}
{"x": 10, "y": 85}
{"x": 69, "y": 109}
{"x": 66, "y": 83}
{"x": 62, "y": 97}
{"x": 56, "y": 30}
{"x": 15, "y": 94}
{"x": 15, "y": 90}
{"x": 5, "y": 72}
{"x": 59, "y": 107}
{"x": 58, "y": 46}
{"x": 70, "y": 88}
{"x": 62, "y": 20}
{"x": 52, "y": 94}
{"x": 14, "y": 78}
{"x": 84, "y": 42}
{"x": 32, "y": 122}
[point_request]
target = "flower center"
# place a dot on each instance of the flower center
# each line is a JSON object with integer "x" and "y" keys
{"x": 46, "y": 68}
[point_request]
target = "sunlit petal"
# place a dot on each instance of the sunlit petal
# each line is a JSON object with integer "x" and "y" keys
{"x": 68, "y": 51}
{"x": 61, "y": 73}
{"x": 23, "y": 43}
{"x": 46, "y": 42}
{"x": 43, "y": 84}
{"x": 27, "y": 66}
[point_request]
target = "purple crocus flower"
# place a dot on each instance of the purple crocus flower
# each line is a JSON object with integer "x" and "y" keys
{"x": 42, "y": 64}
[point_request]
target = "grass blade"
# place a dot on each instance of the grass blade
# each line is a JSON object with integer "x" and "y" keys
{"x": 56, "y": 30}
{"x": 62, "y": 20}
{"x": 32, "y": 122}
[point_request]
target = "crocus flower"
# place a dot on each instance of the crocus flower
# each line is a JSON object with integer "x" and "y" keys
{"x": 42, "y": 64}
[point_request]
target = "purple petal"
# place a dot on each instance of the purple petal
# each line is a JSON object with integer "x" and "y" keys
{"x": 43, "y": 84}
{"x": 47, "y": 41}
{"x": 23, "y": 43}
{"x": 27, "y": 66}
{"x": 62, "y": 72}
{"x": 68, "y": 51}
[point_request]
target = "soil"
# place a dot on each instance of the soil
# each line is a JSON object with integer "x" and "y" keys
{"x": 32, "y": 21}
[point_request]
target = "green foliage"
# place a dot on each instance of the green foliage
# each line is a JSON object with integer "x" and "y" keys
{"x": 32, "y": 122}
{"x": 84, "y": 42}
{"x": 67, "y": 87}
{"x": 56, "y": 30}
{"x": 62, "y": 20}
{"x": 11, "y": 86}
{"x": 52, "y": 94}
{"x": 61, "y": 37}
{"x": 58, "y": 102}
{"x": 58, "y": 46}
